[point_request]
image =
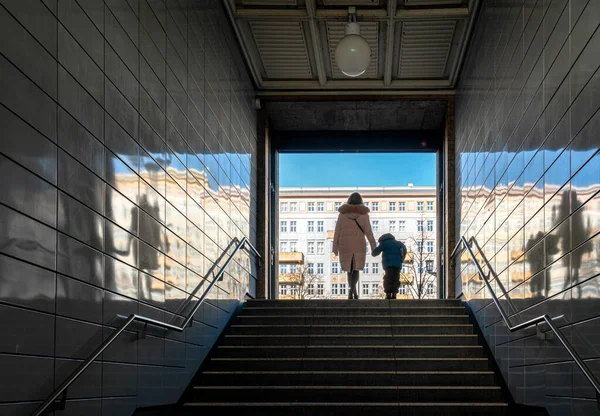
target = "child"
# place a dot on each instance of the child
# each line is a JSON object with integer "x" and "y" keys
{"x": 393, "y": 256}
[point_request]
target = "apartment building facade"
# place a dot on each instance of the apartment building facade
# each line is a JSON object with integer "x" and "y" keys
{"x": 307, "y": 219}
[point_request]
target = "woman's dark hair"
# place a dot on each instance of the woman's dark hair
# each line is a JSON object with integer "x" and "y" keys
{"x": 355, "y": 199}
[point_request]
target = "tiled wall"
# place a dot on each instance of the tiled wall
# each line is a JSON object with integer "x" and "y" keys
{"x": 528, "y": 176}
{"x": 127, "y": 163}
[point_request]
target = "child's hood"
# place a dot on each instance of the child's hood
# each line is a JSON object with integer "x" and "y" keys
{"x": 386, "y": 236}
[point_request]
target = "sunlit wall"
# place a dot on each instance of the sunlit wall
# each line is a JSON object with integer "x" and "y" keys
{"x": 528, "y": 176}
{"x": 127, "y": 160}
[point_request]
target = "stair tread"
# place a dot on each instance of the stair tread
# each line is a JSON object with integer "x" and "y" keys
{"x": 344, "y": 359}
{"x": 351, "y": 372}
{"x": 331, "y": 387}
{"x": 350, "y": 346}
{"x": 353, "y": 404}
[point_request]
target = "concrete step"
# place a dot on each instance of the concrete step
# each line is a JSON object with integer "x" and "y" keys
{"x": 325, "y": 393}
{"x": 347, "y": 408}
{"x": 354, "y": 310}
{"x": 394, "y": 303}
{"x": 315, "y": 339}
{"x": 347, "y": 364}
{"x": 350, "y": 351}
{"x": 351, "y": 319}
{"x": 349, "y": 378}
{"x": 245, "y": 328}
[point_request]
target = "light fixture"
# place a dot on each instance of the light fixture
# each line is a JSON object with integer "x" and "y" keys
{"x": 352, "y": 53}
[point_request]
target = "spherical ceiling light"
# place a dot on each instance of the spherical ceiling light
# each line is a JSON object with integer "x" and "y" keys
{"x": 353, "y": 53}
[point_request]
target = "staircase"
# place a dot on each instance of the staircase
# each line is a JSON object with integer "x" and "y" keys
{"x": 334, "y": 357}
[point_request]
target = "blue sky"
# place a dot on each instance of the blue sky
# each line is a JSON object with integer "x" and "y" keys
{"x": 356, "y": 169}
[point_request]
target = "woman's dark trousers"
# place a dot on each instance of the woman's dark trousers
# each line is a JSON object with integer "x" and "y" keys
{"x": 353, "y": 283}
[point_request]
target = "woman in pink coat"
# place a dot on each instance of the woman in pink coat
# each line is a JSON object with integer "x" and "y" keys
{"x": 353, "y": 226}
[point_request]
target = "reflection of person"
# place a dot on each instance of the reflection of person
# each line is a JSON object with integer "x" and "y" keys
{"x": 352, "y": 226}
{"x": 580, "y": 230}
{"x": 535, "y": 258}
{"x": 393, "y": 255}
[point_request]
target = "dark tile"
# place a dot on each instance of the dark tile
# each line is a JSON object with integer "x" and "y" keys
{"x": 76, "y": 339}
{"x": 23, "y": 50}
{"x": 26, "y": 285}
{"x": 80, "y": 261}
{"x": 118, "y": 406}
{"x": 152, "y": 114}
{"x": 27, "y": 192}
{"x": 80, "y": 104}
{"x": 121, "y": 177}
{"x": 77, "y": 22}
{"x": 27, "y": 100}
{"x": 88, "y": 384}
{"x": 151, "y": 290}
{"x": 150, "y": 385}
{"x": 152, "y": 84}
{"x": 121, "y": 76}
{"x": 80, "y": 65}
{"x": 37, "y": 19}
{"x": 121, "y": 109}
{"x": 79, "y": 182}
{"x": 26, "y": 332}
{"x": 80, "y": 144}
{"x": 120, "y": 244}
{"x": 126, "y": 15}
{"x": 78, "y": 300}
{"x": 151, "y": 351}
{"x": 122, "y": 144}
{"x": 26, "y": 378}
{"x": 80, "y": 222}
{"x": 121, "y": 211}
{"x": 121, "y": 43}
{"x": 27, "y": 239}
{"x": 151, "y": 261}
{"x": 174, "y": 353}
{"x": 119, "y": 379}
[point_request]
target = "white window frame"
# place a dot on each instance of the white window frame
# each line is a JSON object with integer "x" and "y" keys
{"x": 365, "y": 288}
{"x": 310, "y": 268}
{"x": 311, "y": 226}
{"x": 392, "y": 206}
{"x": 343, "y": 288}
{"x": 283, "y": 246}
{"x": 293, "y": 226}
{"x": 320, "y": 289}
{"x": 338, "y": 205}
{"x": 334, "y": 288}
{"x": 401, "y": 206}
{"x": 320, "y": 206}
{"x": 366, "y": 268}
{"x": 335, "y": 267}
{"x": 283, "y": 207}
{"x": 283, "y": 226}
{"x": 293, "y": 246}
{"x": 320, "y": 247}
{"x": 375, "y": 268}
{"x": 429, "y": 205}
{"x": 392, "y": 226}
{"x": 320, "y": 268}
{"x": 402, "y": 225}
{"x": 320, "y": 226}
{"x": 375, "y": 206}
{"x": 430, "y": 225}
{"x": 430, "y": 246}
{"x": 419, "y": 205}
{"x": 311, "y": 207}
{"x": 430, "y": 289}
{"x": 310, "y": 247}
{"x": 420, "y": 225}
{"x": 293, "y": 207}
{"x": 375, "y": 225}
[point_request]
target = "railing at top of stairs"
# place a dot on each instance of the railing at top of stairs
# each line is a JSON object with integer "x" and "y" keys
{"x": 61, "y": 391}
{"x": 466, "y": 245}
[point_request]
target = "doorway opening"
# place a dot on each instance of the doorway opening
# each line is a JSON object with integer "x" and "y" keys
{"x": 401, "y": 191}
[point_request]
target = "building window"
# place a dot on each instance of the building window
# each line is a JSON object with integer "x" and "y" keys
{"x": 311, "y": 226}
{"x": 320, "y": 289}
{"x": 283, "y": 268}
{"x": 420, "y": 246}
{"x": 283, "y": 228}
{"x": 375, "y": 226}
{"x": 392, "y": 226}
{"x": 343, "y": 287}
{"x": 375, "y": 268}
{"x": 334, "y": 288}
{"x": 401, "y": 206}
{"x": 429, "y": 225}
{"x": 320, "y": 226}
{"x": 284, "y": 207}
{"x": 402, "y": 290}
{"x": 366, "y": 268}
{"x": 401, "y": 225}
{"x": 419, "y": 225}
{"x": 429, "y": 205}
{"x": 404, "y": 269}
{"x": 310, "y": 289}
{"x": 293, "y": 246}
{"x": 430, "y": 246}
{"x": 293, "y": 226}
{"x": 365, "y": 287}
{"x": 283, "y": 289}
{"x": 311, "y": 207}
{"x": 420, "y": 268}
{"x": 283, "y": 247}
{"x": 335, "y": 267}
{"x": 430, "y": 289}
{"x": 293, "y": 268}
{"x": 420, "y": 206}
{"x": 293, "y": 207}
{"x": 366, "y": 204}
{"x": 392, "y": 206}
{"x": 375, "y": 206}
{"x": 374, "y": 288}
{"x": 320, "y": 206}
{"x": 429, "y": 265}
{"x": 310, "y": 268}
{"x": 320, "y": 268}
{"x": 338, "y": 205}
{"x": 311, "y": 247}
{"x": 320, "y": 247}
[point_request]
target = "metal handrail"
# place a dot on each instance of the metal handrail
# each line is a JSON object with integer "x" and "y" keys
{"x": 62, "y": 389}
{"x": 535, "y": 321}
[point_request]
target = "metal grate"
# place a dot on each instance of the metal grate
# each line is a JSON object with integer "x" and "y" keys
{"x": 424, "y": 48}
{"x": 369, "y": 31}
{"x": 282, "y": 48}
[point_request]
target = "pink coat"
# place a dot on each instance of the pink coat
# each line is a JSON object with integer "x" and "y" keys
{"x": 349, "y": 240}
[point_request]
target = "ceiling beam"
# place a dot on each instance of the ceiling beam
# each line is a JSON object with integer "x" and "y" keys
{"x": 352, "y": 95}
{"x": 342, "y": 14}
{"x": 316, "y": 42}
{"x": 389, "y": 43}
{"x": 356, "y": 84}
